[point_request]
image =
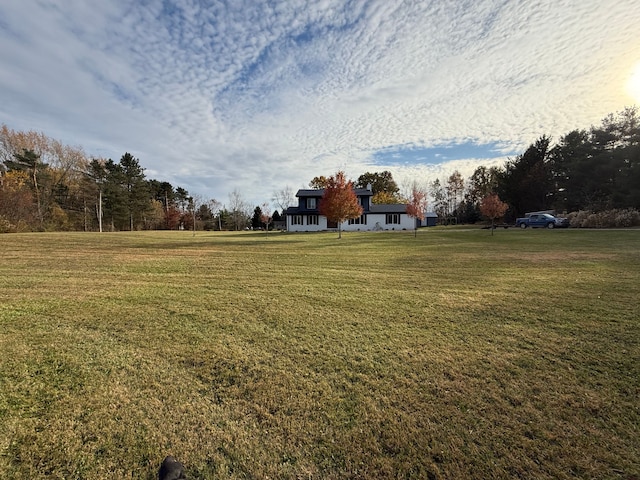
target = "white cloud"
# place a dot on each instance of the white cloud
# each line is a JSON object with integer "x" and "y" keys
{"x": 255, "y": 95}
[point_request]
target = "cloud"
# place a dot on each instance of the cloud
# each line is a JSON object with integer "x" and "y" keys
{"x": 255, "y": 95}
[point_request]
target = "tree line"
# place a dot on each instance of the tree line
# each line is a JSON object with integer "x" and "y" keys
{"x": 45, "y": 185}
{"x": 592, "y": 170}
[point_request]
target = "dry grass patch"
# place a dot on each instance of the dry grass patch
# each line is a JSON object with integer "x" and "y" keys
{"x": 450, "y": 355}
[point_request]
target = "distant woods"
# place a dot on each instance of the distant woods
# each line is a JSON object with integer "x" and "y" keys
{"x": 592, "y": 170}
{"x": 45, "y": 185}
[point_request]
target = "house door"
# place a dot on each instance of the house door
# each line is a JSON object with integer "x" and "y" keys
{"x": 331, "y": 224}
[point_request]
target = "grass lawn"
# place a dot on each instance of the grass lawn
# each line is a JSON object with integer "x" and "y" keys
{"x": 455, "y": 354}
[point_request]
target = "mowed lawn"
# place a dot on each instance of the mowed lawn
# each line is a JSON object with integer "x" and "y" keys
{"x": 455, "y": 354}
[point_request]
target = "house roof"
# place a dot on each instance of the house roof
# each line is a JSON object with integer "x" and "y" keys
{"x": 388, "y": 208}
{"x": 318, "y": 192}
{"x": 373, "y": 207}
{"x": 292, "y": 211}
{"x": 309, "y": 193}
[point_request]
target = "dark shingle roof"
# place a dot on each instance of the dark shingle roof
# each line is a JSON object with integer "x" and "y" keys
{"x": 361, "y": 192}
{"x": 388, "y": 208}
{"x": 309, "y": 193}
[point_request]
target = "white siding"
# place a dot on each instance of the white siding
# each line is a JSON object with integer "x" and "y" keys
{"x": 406, "y": 223}
{"x": 305, "y": 227}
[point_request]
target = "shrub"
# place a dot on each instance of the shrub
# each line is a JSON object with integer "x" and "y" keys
{"x": 6, "y": 226}
{"x": 576, "y": 219}
{"x": 627, "y": 218}
{"x": 616, "y": 218}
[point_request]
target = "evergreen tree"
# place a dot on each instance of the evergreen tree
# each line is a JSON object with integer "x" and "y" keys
{"x": 136, "y": 189}
{"x": 114, "y": 196}
{"x": 599, "y": 169}
{"x": 527, "y": 183}
{"x": 256, "y": 220}
{"x": 182, "y": 198}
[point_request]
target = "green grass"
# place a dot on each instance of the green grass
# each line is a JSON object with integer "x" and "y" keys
{"x": 455, "y": 354}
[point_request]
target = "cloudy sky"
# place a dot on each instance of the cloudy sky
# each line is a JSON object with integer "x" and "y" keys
{"x": 258, "y": 95}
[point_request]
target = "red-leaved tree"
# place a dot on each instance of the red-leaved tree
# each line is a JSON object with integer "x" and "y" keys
{"x": 339, "y": 201}
{"x": 492, "y": 207}
{"x": 417, "y": 206}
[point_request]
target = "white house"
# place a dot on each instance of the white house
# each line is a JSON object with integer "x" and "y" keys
{"x": 306, "y": 216}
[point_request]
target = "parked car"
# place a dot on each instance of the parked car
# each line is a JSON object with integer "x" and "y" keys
{"x": 542, "y": 220}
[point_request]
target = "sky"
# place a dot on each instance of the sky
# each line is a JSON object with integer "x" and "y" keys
{"x": 255, "y": 96}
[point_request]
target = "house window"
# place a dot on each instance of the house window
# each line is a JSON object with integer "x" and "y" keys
{"x": 393, "y": 219}
{"x": 311, "y": 204}
{"x": 361, "y": 220}
{"x": 312, "y": 220}
{"x": 296, "y": 220}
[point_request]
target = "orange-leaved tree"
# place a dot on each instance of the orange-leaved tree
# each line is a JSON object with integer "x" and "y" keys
{"x": 492, "y": 207}
{"x": 339, "y": 201}
{"x": 417, "y": 206}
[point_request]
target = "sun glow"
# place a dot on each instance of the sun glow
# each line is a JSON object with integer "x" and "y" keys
{"x": 633, "y": 85}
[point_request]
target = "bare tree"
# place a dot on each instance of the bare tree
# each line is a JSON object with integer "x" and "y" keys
{"x": 195, "y": 202}
{"x": 215, "y": 206}
{"x": 239, "y": 209}
{"x": 406, "y": 187}
{"x": 284, "y": 198}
